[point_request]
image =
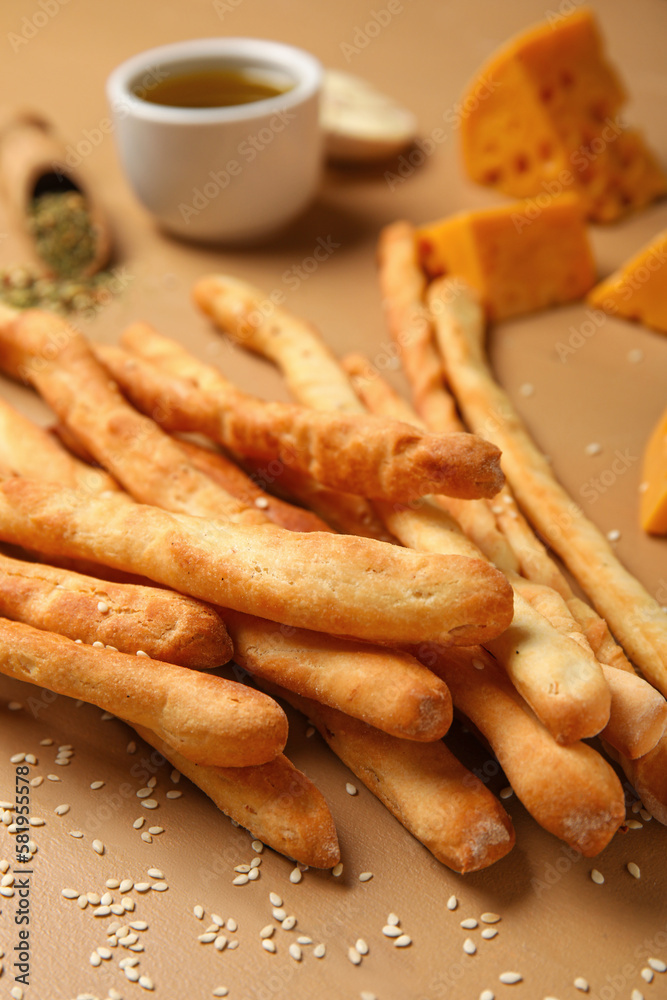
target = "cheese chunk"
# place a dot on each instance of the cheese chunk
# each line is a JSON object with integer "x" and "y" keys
{"x": 653, "y": 503}
{"x": 638, "y": 290}
{"x": 543, "y": 117}
{"x": 518, "y": 258}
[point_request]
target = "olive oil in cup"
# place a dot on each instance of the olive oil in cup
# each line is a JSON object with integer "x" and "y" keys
{"x": 231, "y": 173}
{"x": 217, "y": 87}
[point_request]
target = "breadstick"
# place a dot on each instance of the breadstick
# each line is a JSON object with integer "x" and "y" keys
{"x": 335, "y": 583}
{"x": 426, "y": 788}
{"x": 570, "y": 790}
{"x": 648, "y": 775}
{"x": 28, "y": 450}
{"x": 210, "y": 720}
{"x": 353, "y": 453}
{"x": 385, "y": 688}
{"x": 232, "y": 479}
{"x": 141, "y": 456}
{"x": 165, "y": 625}
{"x": 634, "y": 617}
{"x": 275, "y": 802}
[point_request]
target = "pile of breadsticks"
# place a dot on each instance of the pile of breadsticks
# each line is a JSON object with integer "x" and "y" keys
{"x": 366, "y": 564}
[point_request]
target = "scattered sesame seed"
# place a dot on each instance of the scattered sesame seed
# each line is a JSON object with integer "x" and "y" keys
{"x": 98, "y": 847}
{"x": 354, "y": 956}
{"x": 452, "y": 903}
{"x": 593, "y": 448}
{"x": 149, "y": 803}
{"x": 240, "y": 880}
{"x": 46, "y": 742}
{"x": 633, "y": 824}
{"x": 140, "y": 652}
{"x": 232, "y": 925}
{"x": 490, "y": 918}
{"x": 636, "y": 995}
{"x": 367, "y": 995}
{"x": 36, "y": 821}
{"x": 101, "y": 911}
{"x": 16, "y": 993}
{"x": 319, "y": 951}
{"x": 581, "y": 984}
{"x": 156, "y": 873}
{"x": 175, "y": 776}
{"x": 126, "y": 884}
{"x": 613, "y": 535}
{"x": 30, "y": 758}
{"x": 478, "y": 664}
{"x": 468, "y": 924}
{"x": 390, "y": 931}
{"x": 152, "y": 782}
{"x": 509, "y": 978}
{"x": 403, "y": 941}
{"x": 95, "y": 959}
{"x": 469, "y": 946}
{"x": 69, "y": 893}
{"x": 220, "y": 991}
{"x": 487, "y": 995}
{"x": 52, "y": 777}
{"x": 289, "y": 923}
{"x": 597, "y": 876}
{"x": 295, "y": 951}
{"x": 146, "y": 983}
{"x": 279, "y": 913}
{"x": 17, "y": 758}
{"x": 173, "y": 793}
{"x": 633, "y": 869}
{"x": 147, "y": 838}
{"x": 102, "y": 607}
{"x": 527, "y": 389}
{"x": 142, "y": 886}
{"x": 61, "y": 810}
{"x": 198, "y": 911}
{"x": 131, "y": 747}
{"x": 208, "y": 937}
{"x": 647, "y": 974}
{"x": 96, "y": 784}
{"x": 255, "y": 863}
{"x": 77, "y": 834}
{"x": 131, "y": 973}
{"x": 351, "y": 789}
{"x": 366, "y": 876}
{"x": 361, "y": 946}
{"x": 139, "y": 925}
{"x": 268, "y": 945}
{"x": 160, "y": 886}
{"x": 337, "y": 870}
{"x": 488, "y": 933}
{"x": 220, "y": 942}
{"x": 261, "y": 502}
{"x": 393, "y": 919}
{"x": 257, "y": 846}
{"x": 303, "y": 939}
{"x": 657, "y": 964}
{"x": 275, "y": 899}
{"x": 104, "y": 953}
{"x": 36, "y": 782}
{"x": 267, "y": 931}
{"x": 295, "y": 876}
{"x": 107, "y": 899}
{"x": 645, "y": 815}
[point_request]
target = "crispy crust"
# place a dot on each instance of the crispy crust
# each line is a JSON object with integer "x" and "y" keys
{"x": 634, "y": 617}
{"x": 426, "y": 788}
{"x": 276, "y": 802}
{"x": 385, "y": 688}
{"x": 570, "y": 790}
{"x": 335, "y": 583}
{"x": 166, "y": 625}
{"x": 648, "y": 775}
{"x": 209, "y": 719}
{"x": 353, "y": 453}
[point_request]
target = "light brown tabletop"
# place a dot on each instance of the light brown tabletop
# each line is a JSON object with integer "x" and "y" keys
{"x": 556, "y": 923}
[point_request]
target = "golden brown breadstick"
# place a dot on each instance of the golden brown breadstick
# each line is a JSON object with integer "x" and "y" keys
{"x": 634, "y": 617}
{"x": 312, "y": 373}
{"x": 232, "y": 479}
{"x": 354, "y": 453}
{"x": 388, "y": 689}
{"x": 29, "y": 450}
{"x": 340, "y": 584}
{"x": 427, "y": 789}
{"x": 210, "y": 720}
{"x": 648, "y": 775}
{"x": 165, "y": 625}
{"x": 276, "y": 802}
{"x": 570, "y": 790}
{"x": 141, "y": 456}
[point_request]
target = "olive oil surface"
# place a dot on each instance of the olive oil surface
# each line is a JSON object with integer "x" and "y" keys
{"x": 212, "y": 88}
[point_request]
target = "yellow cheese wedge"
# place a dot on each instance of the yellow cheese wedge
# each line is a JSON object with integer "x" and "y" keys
{"x": 517, "y": 257}
{"x": 653, "y": 503}
{"x": 543, "y": 117}
{"x": 638, "y": 290}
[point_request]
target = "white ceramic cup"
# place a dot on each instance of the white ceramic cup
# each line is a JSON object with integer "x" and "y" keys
{"x": 231, "y": 174}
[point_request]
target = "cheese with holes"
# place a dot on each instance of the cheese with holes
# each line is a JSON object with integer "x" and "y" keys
{"x": 518, "y": 257}
{"x": 638, "y": 290}
{"x": 653, "y": 503}
{"x": 543, "y": 116}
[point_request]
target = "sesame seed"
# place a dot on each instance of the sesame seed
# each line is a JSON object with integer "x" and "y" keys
{"x": 61, "y": 810}
{"x": 657, "y": 964}
{"x": 295, "y": 952}
{"x": 403, "y": 941}
{"x": 160, "y": 886}
{"x": 295, "y": 876}
{"x": 36, "y": 782}
{"x": 275, "y": 899}
{"x": 319, "y": 951}
{"x": 96, "y": 784}
{"x": 593, "y": 448}
{"x": 261, "y": 502}
{"x": 478, "y": 664}
{"x": 636, "y": 995}
{"x": 390, "y": 931}
{"x": 104, "y": 953}
{"x": 267, "y": 932}
{"x": 240, "y": 880}
{"x": 155, "y": 873}
{"x": 452, "y": 903}
{"x": 175, "y": 776}
{"x": 279, "y": 913}
{"x": 208, "y": 937}
{"x": 469, "y": 946}
{"x": 597, "y": 876}
{"x": 152, "y": 782}
{"x": 146, "y": 983}
{"x": 102, "y": 607}
{"x": 217, "y": 920}
{"x": 149, "y": 804}
{"x": 289, "y": 923}
{"x": 509, "y": 978}
{"x": 489, "y": 918}
{"x": 69, "y": 893}
{"x": 581, "y": 984}
{"x": 253, "y": 874}
{"x": 527, "y": 389}
{"x": 220, "y": 942}
{"x": 17, "y": 758}
{"x": 36, "y": 821}
{"x": 30, "y": 758}
{"x": 147, "y": 838}
{"x": 101, "y": 911}
{"x": 255, "y": 863}
{"x": 98, "y": 847}
{"x": 98, "y": 645}
{"x": 52, "y": 777}
{"x": 107, "y": 899}
{"x": 126, "y": 884}
{"x": 82, "y": 902}
{"x": 220, "y": 991}
{"x": 393, "y": 919}
{"x": 139, "y": 925}
{"x": 613, "y": 535}
{"x": 366, "y": 876}
{"x": 303, "y": 939}
{"x": 131, "y": 747}
{"x": 487, "y": 995}
{"x": 633, "y": 824}
{"x": 143, "y": 793}
{"x": 131, "y": 973}
{"x": 645, "y": 815}
{"x": 367, "y": 995}
{"x": 232, "y": 925}
{"x": 268, "y": 945}
{"x": 142, "y": 886}
{"x": 95, "y": 959}
{"x": 198, "y": 911}
{"x": 488, "y": 933}
{"x": 351, "y": 789}
{"x": 128, "y": 963}
{"x": 46, "y": 742}
{"x": 16, "y": 993}
{"x": 337, "y": 870}
{"x": 126, "y": 906}
{"x": 174, "y": 793}
{"x": 361, "y": 946}
{"x": 468, "y": 924}
{"x": 633, "y": 869}
{"x": 140, "y": 652}
{"x": 647, "y": 974}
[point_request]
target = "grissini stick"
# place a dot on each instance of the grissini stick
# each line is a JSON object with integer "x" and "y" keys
{"x": 163, "y": 624}
{"x": 385, "y": 688}
{"x": 570, "y": 790}
{"x": 634, "y": 617}
{"x": 424, "y": 785}
{"x": 340, "y": 584}
{"x": 208, "y": 719}
{"x": 274, "y": 801}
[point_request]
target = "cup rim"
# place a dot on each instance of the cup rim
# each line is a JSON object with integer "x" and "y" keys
{"x": 279, "y": 55}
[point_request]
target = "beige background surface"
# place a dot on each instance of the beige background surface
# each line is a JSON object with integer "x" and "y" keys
{"x": 556, "y": 923}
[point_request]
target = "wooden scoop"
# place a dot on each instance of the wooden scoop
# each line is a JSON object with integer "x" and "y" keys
{"x": 33, "y": 162}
